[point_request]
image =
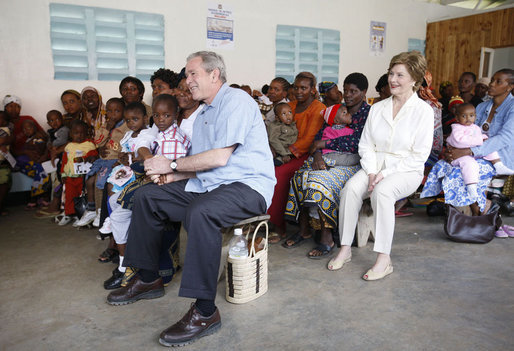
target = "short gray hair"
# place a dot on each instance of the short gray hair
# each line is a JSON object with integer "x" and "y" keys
{"x": 210, "y": 62}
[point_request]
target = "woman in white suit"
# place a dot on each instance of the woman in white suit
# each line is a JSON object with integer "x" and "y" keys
{"x": 394, "y": 146}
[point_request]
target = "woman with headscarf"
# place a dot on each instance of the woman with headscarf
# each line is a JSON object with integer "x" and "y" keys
{"x": 95, "y": 109}
{"x": 425, "y": 93}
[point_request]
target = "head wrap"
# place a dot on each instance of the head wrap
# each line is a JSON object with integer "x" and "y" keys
{"x": 71, "y": 91}
{"x": 426, "y": 92}
{"x": 11, "y": 98}
{"x": 455, "y": 100}
{"x": 329, "y": 114}
{"x": 323, "y": 87}
{"x": 99, "y": 119}
{"x": 484, "y": 81}
{"x": 444, "y": 85}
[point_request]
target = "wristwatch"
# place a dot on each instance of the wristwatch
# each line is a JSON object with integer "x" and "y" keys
{"x": 173, "y": 165}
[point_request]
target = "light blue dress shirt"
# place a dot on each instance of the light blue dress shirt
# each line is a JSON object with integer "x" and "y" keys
{"x": 233, "y": 118}
{"x": 501, "y": 130}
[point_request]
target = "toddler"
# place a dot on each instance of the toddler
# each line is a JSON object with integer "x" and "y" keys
{"x": 58, "y": 138}
{"x": 282, "y": 133}
{"x": 29, "y": 162}
{"x": 121, "y": 175}
{"x": 107, "y": 140}
{"x": 76, "y": 153}
{"x": 465, "y": 133}
{"x": 172, "y": 143}
{"x": 337, "y": 121}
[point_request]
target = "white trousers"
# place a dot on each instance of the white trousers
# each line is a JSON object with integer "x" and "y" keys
{"x": 383, "y": 198}
{"x": 120, "y": 220}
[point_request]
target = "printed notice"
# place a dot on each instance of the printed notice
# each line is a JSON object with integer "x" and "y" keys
{"x": 377, "y": 37}
{"x": 220, "y": 27}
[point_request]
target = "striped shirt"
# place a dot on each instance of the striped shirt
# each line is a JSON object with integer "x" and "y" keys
{"x": 173, "y": 143}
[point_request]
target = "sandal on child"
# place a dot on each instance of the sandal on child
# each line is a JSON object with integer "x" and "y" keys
{"x": 108, "y": 255}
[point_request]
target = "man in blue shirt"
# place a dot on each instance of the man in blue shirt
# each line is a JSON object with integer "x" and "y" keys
{"x": 228, "y": 177}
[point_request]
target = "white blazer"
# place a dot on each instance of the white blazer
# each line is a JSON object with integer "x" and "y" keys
{"x": 402, "y": 144}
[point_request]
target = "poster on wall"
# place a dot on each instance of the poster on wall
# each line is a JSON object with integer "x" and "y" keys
{"x": 377, "y": 37}
{"x": 220, "y": 27}
{"x": 417, "y": 44}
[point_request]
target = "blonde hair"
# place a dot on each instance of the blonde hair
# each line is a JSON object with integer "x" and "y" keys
{"x": 415, "y": 63}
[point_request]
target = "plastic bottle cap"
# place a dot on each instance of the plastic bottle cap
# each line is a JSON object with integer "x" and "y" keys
{"x": 238, "y": 231}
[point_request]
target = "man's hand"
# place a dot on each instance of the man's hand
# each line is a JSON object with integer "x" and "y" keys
{"x": 373, "y": 180}
{"x": 157, "y": 165}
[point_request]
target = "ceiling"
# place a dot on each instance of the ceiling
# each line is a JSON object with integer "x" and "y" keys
{"x": 474, "y": 4}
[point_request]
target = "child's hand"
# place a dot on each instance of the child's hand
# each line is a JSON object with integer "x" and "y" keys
{"x": 102, "y": 151}
{"x": 109, "y": 124}
{"x": 91, "y": 159}
{"x": 123, "y": 157}
{"x": 286, "y": 159}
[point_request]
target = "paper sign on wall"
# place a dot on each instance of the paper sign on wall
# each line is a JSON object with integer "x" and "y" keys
{"x": 220, "y": 27}
{"x": 416, "y": 44}
{"x": 377, "y": 38}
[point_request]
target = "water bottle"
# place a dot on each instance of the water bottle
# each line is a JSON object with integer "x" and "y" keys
{"x": 237, "y": 247}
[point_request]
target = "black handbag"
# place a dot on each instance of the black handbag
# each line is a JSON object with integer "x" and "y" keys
{"x": 80, "y": 202}
{"x": 471, "y": 229}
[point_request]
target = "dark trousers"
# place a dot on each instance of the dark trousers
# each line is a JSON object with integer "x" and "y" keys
{"x": 202, "y": 214}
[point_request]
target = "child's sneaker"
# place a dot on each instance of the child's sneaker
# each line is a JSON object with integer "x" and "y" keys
{"x": 96, "y": 222}
{"x": 87, "y": 218}
{"x": 500, "y": 233}
{"x": 58, "y": 218}
{"x": 509, "y": 230}
{"x": 66, "y": 220}
{"x": 106, "y": 227}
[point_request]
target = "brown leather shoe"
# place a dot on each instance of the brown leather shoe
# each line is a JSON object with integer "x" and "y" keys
{"x": 135, "y": 290}
{"x": 191, "y": 327}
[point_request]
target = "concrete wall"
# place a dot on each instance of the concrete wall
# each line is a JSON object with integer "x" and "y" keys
{"x": 26, "y": 61}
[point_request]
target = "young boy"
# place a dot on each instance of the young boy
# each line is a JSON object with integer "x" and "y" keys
{"x": 107, "y": 140}
{"x": 58, "y": 138}
{"x": 79, "y": 150}
{"x": 172, "y": 143}
{"x": 282, "y": 132}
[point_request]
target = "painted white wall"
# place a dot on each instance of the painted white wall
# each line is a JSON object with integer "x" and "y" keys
{"x": 503, "y": 58}
{"x": 26, "y": 64}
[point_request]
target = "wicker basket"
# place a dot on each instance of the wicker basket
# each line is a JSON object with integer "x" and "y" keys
{"x": 247, "y": 279}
